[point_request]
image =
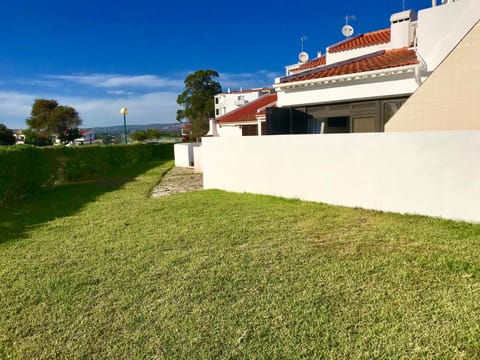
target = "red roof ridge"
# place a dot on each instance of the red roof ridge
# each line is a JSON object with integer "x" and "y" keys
{"x": 319, "y": 61}
{"x": 376, "y": 37}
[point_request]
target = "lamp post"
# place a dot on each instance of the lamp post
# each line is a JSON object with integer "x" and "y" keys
{"x": 124, "y": 112}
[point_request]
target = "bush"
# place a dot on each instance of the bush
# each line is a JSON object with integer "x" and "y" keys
{"x": 28, "y": 169}
{"x": 25, "y": 170}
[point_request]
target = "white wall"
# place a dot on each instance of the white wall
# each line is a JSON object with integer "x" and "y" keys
{"x": 428, "y": 173}
{"x": 441, "y": 28}
{"x": 347, "y": 91}
{"x": 228, "y": 130}
{"x": 183, "y": 154}
{"x": 449, "y": 98}
{"x": 349, "y": 54}
{"x": 229, "y": 101}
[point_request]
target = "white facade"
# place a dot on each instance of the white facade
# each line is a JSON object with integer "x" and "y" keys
{"x": 351, "y": 87}
{"x": 229, "y": 130}
{"x": 231, "y": 100}
{"x": 433, "y": 36}
{"x": 449, "y": 98}
{"x": 441, "y": 28}
{"x": 184, "y": 154}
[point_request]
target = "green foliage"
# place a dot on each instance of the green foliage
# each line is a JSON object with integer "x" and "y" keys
{"x": 37, "y": 138}
{"x": 39, "y": 115}
{"x": 48, "y": 118}
{"x": 100, "y": 271}
{"x": 146, "y": 135}
{"x": 6, "y": 136}
{"x": 27, "y": 169}
{"x": 197, "y": 100}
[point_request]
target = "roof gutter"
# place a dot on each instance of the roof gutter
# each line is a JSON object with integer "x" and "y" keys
{"x": 238, "y": 123}
{"x": 422, "y": 65}
{"x": 339, "y": 79}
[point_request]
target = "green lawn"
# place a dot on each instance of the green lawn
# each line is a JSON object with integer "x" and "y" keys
{"x": 101, "y": 271}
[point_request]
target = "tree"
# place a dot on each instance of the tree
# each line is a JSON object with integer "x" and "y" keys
{"x": 37, "y": 138}
{"x": 6, "y": 136}
{"x": 48, "y": 118}
{"x": 197, "y": 100}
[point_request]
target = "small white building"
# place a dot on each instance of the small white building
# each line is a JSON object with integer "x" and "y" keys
{"x": 248, "y": 120}
{"x": 231, "y": 100}
{"x": 19, "y": 137}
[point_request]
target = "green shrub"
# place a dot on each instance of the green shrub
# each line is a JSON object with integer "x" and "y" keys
{"x": 28, "y": 169}
{"x": 25, "y": 170}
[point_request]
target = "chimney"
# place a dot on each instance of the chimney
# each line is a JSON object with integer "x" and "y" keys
{"x": 212, "y": 125}
{"x": 402, "y": 25}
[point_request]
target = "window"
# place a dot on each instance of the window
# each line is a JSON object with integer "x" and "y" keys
{"x": 364, "y": 124}
{"x": 340, "y": 124}
{"x": 314, "y": 126}
{"x": 390, "y": 108}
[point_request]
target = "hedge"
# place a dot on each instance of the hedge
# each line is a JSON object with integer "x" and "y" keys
{"x": 27, "y": 169}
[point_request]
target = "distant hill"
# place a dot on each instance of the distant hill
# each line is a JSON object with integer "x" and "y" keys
{"x": 119, "y": 129}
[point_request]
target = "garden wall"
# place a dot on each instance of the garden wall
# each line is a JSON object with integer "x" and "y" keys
{"x": 428, "y": 173}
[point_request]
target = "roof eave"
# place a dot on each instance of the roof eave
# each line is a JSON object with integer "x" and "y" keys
{"x": 347, "y": 77}
{"x": 238, "y": 123}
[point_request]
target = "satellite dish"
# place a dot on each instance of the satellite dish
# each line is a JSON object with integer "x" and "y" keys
{"x": 303, "y": 57}
{"x": 347, "y": 30}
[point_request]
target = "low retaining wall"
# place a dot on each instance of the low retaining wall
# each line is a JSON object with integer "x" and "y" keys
{"x": 428, "y": 173}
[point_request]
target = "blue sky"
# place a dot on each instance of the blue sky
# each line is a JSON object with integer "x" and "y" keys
{"x": 101, "y": 55}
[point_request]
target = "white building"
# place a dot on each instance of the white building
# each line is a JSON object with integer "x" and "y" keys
{"x": 231, "y": 100}
{"x": 361, "y": 82}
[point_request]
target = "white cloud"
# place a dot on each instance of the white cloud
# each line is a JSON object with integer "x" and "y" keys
{"x": 15, "y": 108}
{"x": 149, "y": 98}
{"x": 119, "y": 81}
{"x": 119, "y": 92}
{"x": 154, "y": 107}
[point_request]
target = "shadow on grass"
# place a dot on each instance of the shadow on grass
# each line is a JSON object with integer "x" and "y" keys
{"x": 17, "y": 217}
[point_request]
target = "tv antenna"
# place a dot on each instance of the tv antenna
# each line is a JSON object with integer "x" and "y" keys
{"x": 303, "y": 56}
{"x": 347, "y": 30}
{"x": 302, "y": 40}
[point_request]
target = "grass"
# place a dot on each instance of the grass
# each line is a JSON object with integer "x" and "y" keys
{"x": 100, "y": 270}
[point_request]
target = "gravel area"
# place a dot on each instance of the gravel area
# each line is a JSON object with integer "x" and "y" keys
{"x": 177, "y": 180}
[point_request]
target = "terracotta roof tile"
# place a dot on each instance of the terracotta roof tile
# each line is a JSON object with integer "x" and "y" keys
{"x": 384, "y": 59}
{"x": 322, "y": 60}
{"x": 247, "y": 112}
{"x": 364, "y": 40}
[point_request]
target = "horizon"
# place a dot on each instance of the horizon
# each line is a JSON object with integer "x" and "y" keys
{"x": 137, "y": 54}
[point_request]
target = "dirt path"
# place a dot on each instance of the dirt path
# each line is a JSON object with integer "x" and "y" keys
{"x": 177, "y": 180}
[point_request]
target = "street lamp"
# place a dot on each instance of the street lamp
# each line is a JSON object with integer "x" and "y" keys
{"x": 124, "y": 112}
